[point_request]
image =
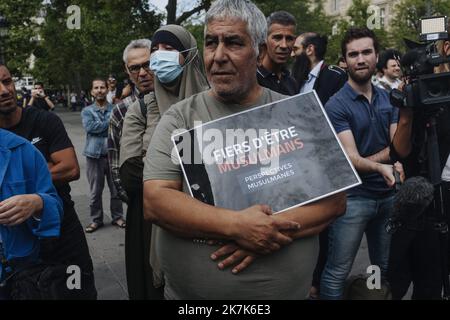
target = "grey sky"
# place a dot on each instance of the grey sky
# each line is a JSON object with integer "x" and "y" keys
{"x": 160, "y": 4}
{"x": 183, "y": 5}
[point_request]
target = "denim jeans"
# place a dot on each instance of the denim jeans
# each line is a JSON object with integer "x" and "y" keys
{"x": 363, "y": 215}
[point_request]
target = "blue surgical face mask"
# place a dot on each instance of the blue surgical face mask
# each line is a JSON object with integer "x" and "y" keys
{"x": 166, "y": 64}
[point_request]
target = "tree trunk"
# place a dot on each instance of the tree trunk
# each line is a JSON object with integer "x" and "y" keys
{"x": 78, "y": 82}
{"x": 171, "y": 11}
{"x": 68, "y": 91}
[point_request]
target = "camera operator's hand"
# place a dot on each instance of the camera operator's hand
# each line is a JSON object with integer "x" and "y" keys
{"x": 387, "y": 171}
{"x": 401, "y": 86}
{"x": 406, "y": 114}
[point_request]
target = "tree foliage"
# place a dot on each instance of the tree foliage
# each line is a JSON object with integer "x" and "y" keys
{"x": 20, "y": 41}
{"x": 358, "y": 16}
{"x": 407, "y": 13}
{"x": 72, "y": 57}
{"x": 309, "y": 14}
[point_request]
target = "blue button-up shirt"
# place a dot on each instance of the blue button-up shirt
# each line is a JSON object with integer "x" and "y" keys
{"x": 369, "y": 122}
{"x": 96, "y": 122}
{"x": 23, "y": 170}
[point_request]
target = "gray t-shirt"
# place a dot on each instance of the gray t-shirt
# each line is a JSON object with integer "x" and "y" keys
{"x": 189, "y": 272}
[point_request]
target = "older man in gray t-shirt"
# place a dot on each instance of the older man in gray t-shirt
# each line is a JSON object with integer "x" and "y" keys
{"x": 277, "y": 254}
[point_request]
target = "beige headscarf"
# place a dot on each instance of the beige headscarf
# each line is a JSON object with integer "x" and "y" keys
{"x": 192, "y": 80}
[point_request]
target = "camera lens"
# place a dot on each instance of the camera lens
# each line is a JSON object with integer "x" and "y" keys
{"x": 435, "y": 89}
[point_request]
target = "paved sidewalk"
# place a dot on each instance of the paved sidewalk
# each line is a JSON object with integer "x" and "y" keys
{"x": 107, "y": 244}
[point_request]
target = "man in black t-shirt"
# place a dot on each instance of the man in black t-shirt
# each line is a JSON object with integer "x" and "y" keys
{"x": 47, "y": 133}
{"x": 39, "y": 99}
{"x": 272, "y": 72}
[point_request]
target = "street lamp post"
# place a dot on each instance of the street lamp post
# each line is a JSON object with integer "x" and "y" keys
{"x": 3, "y": 34}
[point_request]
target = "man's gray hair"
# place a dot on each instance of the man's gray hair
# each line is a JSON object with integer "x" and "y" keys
{"x": 136, "y": 44}
{"x": 244, "y": 10}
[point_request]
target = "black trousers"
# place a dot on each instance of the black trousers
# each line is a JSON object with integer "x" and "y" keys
{"x": 71, "y": 248}
{"x": 419, "y": 255}
{"x": 415, "y": 257}
{"x": 138, "y": 234}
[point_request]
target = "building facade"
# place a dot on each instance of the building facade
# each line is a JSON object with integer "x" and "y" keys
{"x": 385, "y": 9}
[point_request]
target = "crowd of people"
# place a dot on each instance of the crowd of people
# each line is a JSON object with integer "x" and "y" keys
{"x": 177, "y": 247}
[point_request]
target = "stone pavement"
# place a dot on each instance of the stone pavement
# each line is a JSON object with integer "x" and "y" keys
{"x": 107, "y": 244}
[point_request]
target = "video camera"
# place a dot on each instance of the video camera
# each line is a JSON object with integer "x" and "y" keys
{"x": 425, "y": 89}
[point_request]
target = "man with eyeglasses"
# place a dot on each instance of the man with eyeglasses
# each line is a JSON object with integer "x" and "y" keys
{"x": 136, "y": 58}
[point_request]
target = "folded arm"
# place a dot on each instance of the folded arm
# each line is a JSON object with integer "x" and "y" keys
{"x": 313, "y": 218}
{"x": 253, "y": 228}
{"x": 64, "y": 166}
{"x": 93, "y": 124}
{"x": 365, "y": 165}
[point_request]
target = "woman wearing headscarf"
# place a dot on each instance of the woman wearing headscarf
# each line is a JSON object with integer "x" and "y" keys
{"x": 177, "y": 79}
{"x": 179, "y": 74}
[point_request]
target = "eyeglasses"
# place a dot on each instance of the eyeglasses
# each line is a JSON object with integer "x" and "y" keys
{"x": 136, "y": 68}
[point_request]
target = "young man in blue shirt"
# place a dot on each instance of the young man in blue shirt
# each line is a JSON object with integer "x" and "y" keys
{"x": 30, "y": 208}
{"x": 365, "y": 122}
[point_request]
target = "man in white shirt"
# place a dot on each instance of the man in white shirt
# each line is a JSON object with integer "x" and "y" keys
{"x": 112, "y": 87}
{"x": 390, "y": 66}
{"x": 310, "y": 69}
{"x": 312, "y": 73}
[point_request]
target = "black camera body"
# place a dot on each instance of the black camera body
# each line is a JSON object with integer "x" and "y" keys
{"x": 425, "y": 91}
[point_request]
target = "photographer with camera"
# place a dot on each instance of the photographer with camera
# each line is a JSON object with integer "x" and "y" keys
{"x": 419, "y": 247}
{"x": 39, "y": 99}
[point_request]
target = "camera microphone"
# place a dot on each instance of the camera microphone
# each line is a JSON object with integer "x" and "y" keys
{"x": 410, "y": 202}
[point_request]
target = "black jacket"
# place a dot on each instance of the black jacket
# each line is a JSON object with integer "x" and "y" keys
{"x": 330, "y": 80}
